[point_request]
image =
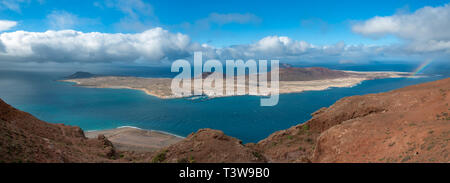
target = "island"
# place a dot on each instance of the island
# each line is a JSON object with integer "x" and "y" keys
{"x": 291, "y": 80}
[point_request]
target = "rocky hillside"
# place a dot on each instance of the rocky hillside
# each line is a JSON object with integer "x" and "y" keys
{"x": 405, "y": 125}
{"x": 309, "y": 73}
{"x": 287, "y": 73}
{"x": 411, "y": 124}
{"x": 80, "y": 74}
{"x": 24, "y": 138}
{"x": 207, "y": 145}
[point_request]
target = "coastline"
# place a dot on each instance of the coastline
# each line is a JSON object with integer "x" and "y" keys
{"x": 160, "y": 87}
{"x": 130, "y": 138}
{"x": 133, "y": 127}
{"x": 147, "y": 92}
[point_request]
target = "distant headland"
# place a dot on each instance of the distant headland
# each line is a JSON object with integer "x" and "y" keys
{"x": 80, "y": 75}
{"x": 292, "y": 80}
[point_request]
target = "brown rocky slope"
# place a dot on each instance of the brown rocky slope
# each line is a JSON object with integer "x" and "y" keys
{"x": 24, "y": 138}
{"x": 411, "y": 124}
{"x": 211, "y": 146}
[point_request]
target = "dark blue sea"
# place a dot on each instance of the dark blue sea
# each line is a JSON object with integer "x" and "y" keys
{"x": 40, "y": 94}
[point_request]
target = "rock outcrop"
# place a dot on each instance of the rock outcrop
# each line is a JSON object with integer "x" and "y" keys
{"x": 411, "y": 124}
{"x": 207, "y": 145}
{"x": 309, "y": 73}
{"x": 80, "y": 75}
{"x": 406, "y": 125}
{"x": 24, "y": 138}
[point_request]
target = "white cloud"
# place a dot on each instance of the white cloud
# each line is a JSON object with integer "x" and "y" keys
{"x": 280, "y": 46}
{"x": 156, "y": 45}
{"x": 426, "y": 29}
{"x": 7, "y": 24}
{"x": 72, "y": 46}
{"x": 287, "y": 50}
{"x": 59, "y": 20}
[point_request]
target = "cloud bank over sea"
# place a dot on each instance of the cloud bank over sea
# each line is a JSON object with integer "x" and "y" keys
{"x": 419, "y": 38}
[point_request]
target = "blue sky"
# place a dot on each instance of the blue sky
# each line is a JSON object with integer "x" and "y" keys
{"x": 317, "y": 22}
{"x": 299, "y": 30}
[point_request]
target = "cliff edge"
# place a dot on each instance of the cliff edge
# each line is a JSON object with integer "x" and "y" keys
{"x": 24, "y": 138}
{"x": 411, "y": 124}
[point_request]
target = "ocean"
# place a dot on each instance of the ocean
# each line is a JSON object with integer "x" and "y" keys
{"x": 40, "y": 94}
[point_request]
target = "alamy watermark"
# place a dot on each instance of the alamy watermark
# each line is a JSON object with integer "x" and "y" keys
{"x": 209, "y": 78}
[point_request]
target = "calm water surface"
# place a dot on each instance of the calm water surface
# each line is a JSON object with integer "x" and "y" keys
{"x": 40, "y": 94}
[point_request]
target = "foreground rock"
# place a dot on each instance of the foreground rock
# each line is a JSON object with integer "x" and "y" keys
{"x": 405, "y": 125}
{"x": 24, "y": 138}
{"x": 208, "y": 146}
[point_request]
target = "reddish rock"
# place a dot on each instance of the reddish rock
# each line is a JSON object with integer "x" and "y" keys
{"x": 405, "y": 125}
{"x": 208, "y": 145}
{"x": 24, "y": 138}
{"x": 411, "y": 124}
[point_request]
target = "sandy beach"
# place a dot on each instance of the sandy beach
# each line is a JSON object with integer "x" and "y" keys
{"x": 135, "y": 139}
{"x": 160, "y": 87}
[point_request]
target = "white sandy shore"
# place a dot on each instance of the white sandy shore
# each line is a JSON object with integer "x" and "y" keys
{"x": 128, "y": 138}
{"x": 160, "y": 87}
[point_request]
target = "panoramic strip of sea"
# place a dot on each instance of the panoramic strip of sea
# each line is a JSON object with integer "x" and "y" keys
{"x": 40, "y": 94}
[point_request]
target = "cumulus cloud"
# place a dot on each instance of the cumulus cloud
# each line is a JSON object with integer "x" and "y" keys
{"x": 426, "y": 29}
{"x": 267, "y": 47}
{"x": 2, "y": 47}
{"x": 280, "y": 46}
{"x": 287, "y": 50}
{"x": 156, "y": 45}
{"x": 7, "y": 24}
{"x": 73, "y": 46}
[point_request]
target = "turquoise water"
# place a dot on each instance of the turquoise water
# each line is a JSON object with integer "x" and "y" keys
{"x": 94, "y": 109}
